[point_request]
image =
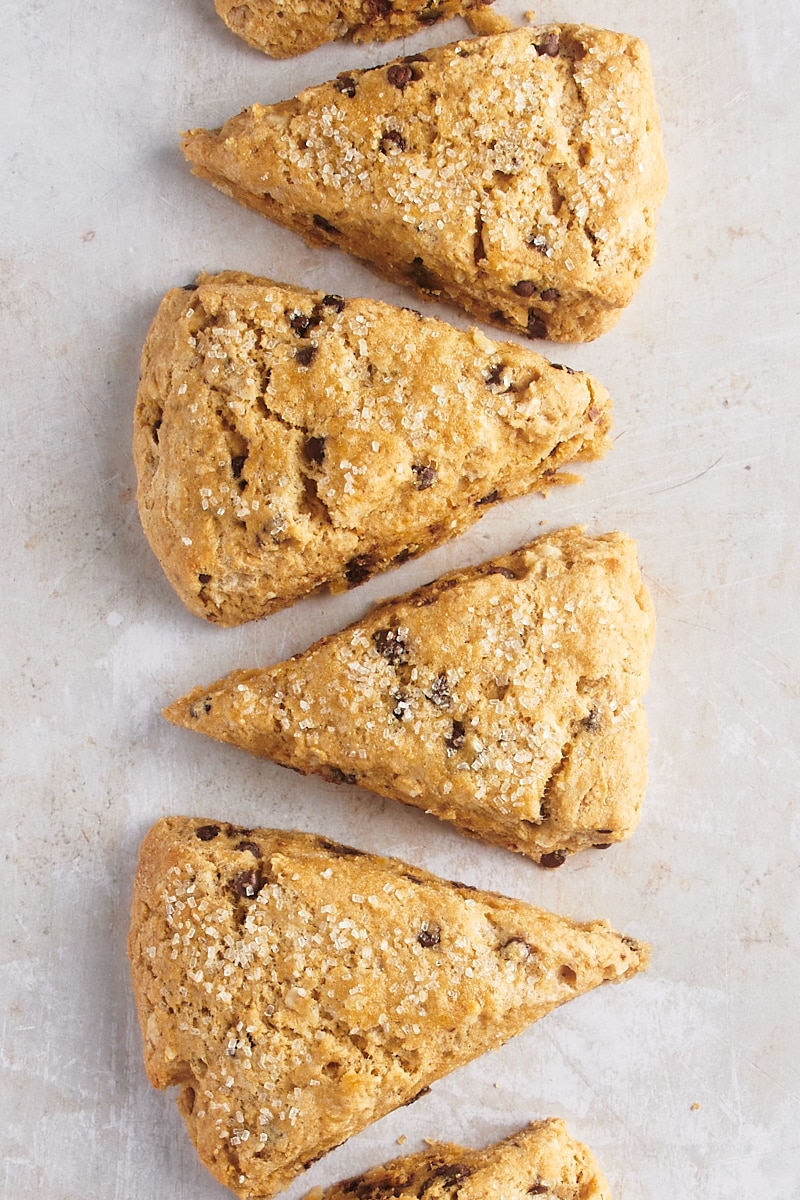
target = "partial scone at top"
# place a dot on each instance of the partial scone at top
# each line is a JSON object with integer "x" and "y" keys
{"x": 541, "y": 1160}
{"x": 505, "y": 698}
{"x": 297, "y": 990}
{"x": 288, "y": 440}
{"x": 516, "y": 175}
{"x": 286, "y": 27}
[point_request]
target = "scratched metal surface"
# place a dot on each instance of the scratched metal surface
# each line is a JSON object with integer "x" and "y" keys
{"x": 684, "y": 1082}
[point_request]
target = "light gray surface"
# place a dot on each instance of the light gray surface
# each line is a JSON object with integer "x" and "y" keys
{"x": 684, "y": 1082}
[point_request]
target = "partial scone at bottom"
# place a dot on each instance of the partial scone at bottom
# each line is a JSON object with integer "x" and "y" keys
{"x": 288, "y": 440}
{"x": 505, "y": 698}
{"x": 297, "y": 990}
{"x": 541, "y": 1160}
{"x": 516, "y": 175}
{"x": 282, "y": 28}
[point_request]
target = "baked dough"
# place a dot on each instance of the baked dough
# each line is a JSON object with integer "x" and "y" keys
{"x": 505, "y": 698}
{"x": 282, "y": 28}
{"x": 542, "y": 1160}
{"x": 287, "y": 440}
{"x": 296, "y": 990}
{"x": 516, "y": 175}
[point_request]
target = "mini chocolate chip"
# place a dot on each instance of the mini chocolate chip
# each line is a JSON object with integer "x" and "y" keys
{"x": 538, "y": 1189}
{"x": 536, "y": 326}
{"x": 392, "y": 142}
{"x": 249, "y": 847}
{"x": 495, "y": 375}
{"x": 447, "y": 1175}
{"x": 346, "y": 85}
{"x": 440, "y": 692}
{"x": 561, "y": 367}
{"x": 156, "y": 427}
{"x": 391, "y": 645}
{"x": 375, "y": 9}
{"x": 322, "y": 223}
{"x": 550, "y": 45}
{"x": 315, "y": 450}
{"x": 537, "y": 241}
{"x": 602, "y": 845}
{"x": 188, "y": 287}
{"x": 430, "y": 934}
{"x": 334, "y": 302}
{"x": 199, "y": 706}
{"x": 237, "y": 465}
{"x": 506, "y": 572}
{"x": 556, "y": 858}
{"x": 551, "y": 294}
{"x": 399, "y": 75}
{"x": 206, "y": 833}
{"x": 247, "y": 884}
{"x": 305, "y": 355}
{"x": 299, "y": 322}
{"x": 592, "y": 721}
{"x": 415, "y": 58}
{"x": 424, "y": 476}
{"x": 455, "y": 739}
{"x": 359, "y": 568}
{"x": 204, "y": 578}
{"x": 525, "y": 288}
{"x": 401, "y": 705}
{"x": 488, "y": 499}
{"x": 336, "y": 775}
{"x": 422, "y": 276}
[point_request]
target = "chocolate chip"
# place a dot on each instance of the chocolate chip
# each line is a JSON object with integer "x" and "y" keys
{"x": 155, "y": 429}
{"x": 525, "y": 288}
{"x": 322, "y": 223}
{"x": 359, "y": 568}
{"x": 199, "y": 706}
{"x": 390, "y": 1183}
{"x": 237, "y": 465}
{"x": 556, "y": 858}
{"x": 536, "y": 326}
{"x": 551, "y": 294}
{"x": 440, "y": 692}
{"x": 488, "y": 499}
{"x": 334, "y": 302}
{"x": 336, "y": 775}
{"x": 424, "y": 476}
{"x": 346, "y": 85}
{"x": 391, "y": 645}
{"x": 448, "y": 1175}
{"x": 204, "y": 578}
{"x": 455, "y": 739}
{"x": 550, "y": 45}
{"x": 592, "y": 721}
{"x": 537, "y": 241}
{"x": 247, "y": 884}
{"x": 315, "y": 450}
{"x": 402, "y": 704}
{"x": 430, "y": 934}
{"x": 506, "y": 572}
{"x": 392, "y": 142}
{"x": 538, "y": 1189}
{"x": 249, "y": 847}
{"x": 422, "y": 276}
{"x": 305, "y": 355}
{"x": 495, "y": 375}
{"x": 602, "y": 845}
{"x": 561, "y": 367}
{"x": 299, "y": 322}
{"x": 188, "y": 287}
{"x": 400, "y": 75}
{"x": 377, "y": 9}
{"x": 206, "y": 833}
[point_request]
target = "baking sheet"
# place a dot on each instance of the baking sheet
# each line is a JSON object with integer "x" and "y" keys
{"x": 684, "y": 1081}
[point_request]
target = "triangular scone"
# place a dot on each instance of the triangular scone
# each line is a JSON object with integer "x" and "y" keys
{"x": 541, "y": 1160}
{"x": 286, "y": 439}
{"x": 505, "y": 698}
{"x": 297, "y": 990}
{"x": 516, "y": 175}
{"x": 282, "y": 28}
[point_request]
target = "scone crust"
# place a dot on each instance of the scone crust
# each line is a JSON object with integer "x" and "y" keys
{"x": 297, "y": 990}
{"x": 543, "y": 1159}
{"x": 288, "y": 440}
{"x": 516, "y": 175}
{"x": 282, "y": 28}
{"x": 505, "y": 698}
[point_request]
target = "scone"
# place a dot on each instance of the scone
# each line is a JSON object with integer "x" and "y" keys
{"x": 296, "y": 990}
{"x": 287, "y": 440}
{"x": 516, "y": 175}
{"x": 541, "y": 1160}
{"x": 505, "y": 698}
{"x": 285, "y": 27}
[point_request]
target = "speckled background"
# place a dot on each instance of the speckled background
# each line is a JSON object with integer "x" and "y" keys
{"x": 685, "y": 1081}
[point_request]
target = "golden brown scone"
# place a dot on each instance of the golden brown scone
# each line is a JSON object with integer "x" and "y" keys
{"x": 297, "y": 990}
{"x": 285, "y": 27}
{"x": 286, "y": 440}
{"x": 541, "y": 1160}
{"x": 516, "y": 175}
{"x": 505, "y": 698}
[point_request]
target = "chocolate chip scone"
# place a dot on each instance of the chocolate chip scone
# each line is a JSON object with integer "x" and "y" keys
{"x": 541, "y": 1160}
{"x": 505, "y": 698}
{"x": 516, "y": 175}
{"x": 287, "y": 440}
{"x": 282, "y": 28}
{"x": 297, "y": 990}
